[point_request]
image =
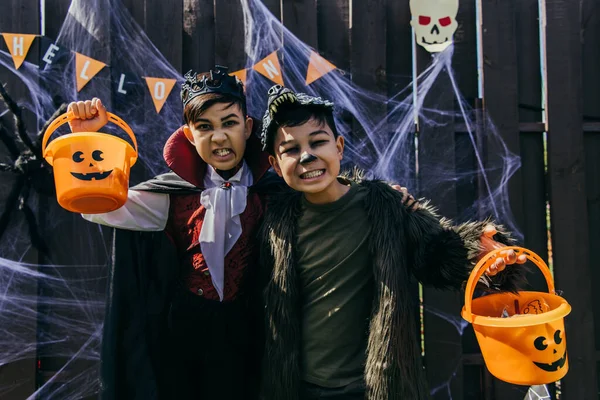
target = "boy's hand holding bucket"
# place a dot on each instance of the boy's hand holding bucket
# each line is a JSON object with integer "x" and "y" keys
{"x": 507, "y": 257}
{"x": 89, "y": 115}
{"x": 91, "y": 168}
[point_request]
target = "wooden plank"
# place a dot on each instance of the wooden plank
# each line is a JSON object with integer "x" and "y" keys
{"x": 500, "y": 80}
{"x": 334, "y": 31}
{"x": 274, "y": 6}
{"x": 137, "y": 9}
{"x": 399, "y": 69}
{"x": 300, "y": 17}
{"x": 368, "y": 40}
{"x": 566, "y": 170}
{"x": 591, "y": 112}
{"x": 440, "y": 153}
{"x": 229, "y": 35}
{"x": 399, "y": 76}
{"x": 134, "y": 84}
{"x": 528, "y": 60}
{"x": 436, "y": 157}
{"x": 534, "y": 202}
{"x": 164, "y": 26}
{"x": 592, "y": 169}
{"x": 464, "y": 64}
{"x": 18, "y": 17}
{"x": 87, "y": 243}
{"x": 333, "y": 24}
{"x": 368, "y": 55}
{"x": 55, "y": 13}
{"x": 465, "y": 68}
{"x": 532, "y": 146}
{"x": 465, "y": 50}
{"x": 198, "y": 35}
{"x": 590, "y": 29}
{"x": 500, "y": 83}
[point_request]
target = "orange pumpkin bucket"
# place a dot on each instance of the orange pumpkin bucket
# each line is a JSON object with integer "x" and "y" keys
{"x": 521, "y": 336}
{"x": 91, "y": 169}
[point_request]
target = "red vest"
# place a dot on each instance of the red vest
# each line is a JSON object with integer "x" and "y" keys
{"x": 186, "y": 215}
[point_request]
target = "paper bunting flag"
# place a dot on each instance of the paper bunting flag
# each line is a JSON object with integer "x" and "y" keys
{"x": 434, "y": 23}
{"x": 18, "y": 45}
{"x": 160, "y": 88}
{"x": 269, "y": 67}
{"x": 52, "y": 53}
{"x": 317, "y": 67}
{"x": 241, "y": 74}
{"x": 85, "y": 69}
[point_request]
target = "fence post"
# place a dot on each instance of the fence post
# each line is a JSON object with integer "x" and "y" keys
{"x": 568, "y": 209}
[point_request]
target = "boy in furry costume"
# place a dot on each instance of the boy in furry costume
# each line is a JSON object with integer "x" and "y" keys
{"x": 338, "y": 256}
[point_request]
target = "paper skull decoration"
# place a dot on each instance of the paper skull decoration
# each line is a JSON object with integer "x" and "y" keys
{"x": 434, "y": 23}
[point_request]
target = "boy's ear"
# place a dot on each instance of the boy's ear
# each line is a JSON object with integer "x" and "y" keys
{"x": 188, "y": 134}
{"x": 275, "y": 165}
{"x": 339, "y": 143}
{"x": 249, "y": 124}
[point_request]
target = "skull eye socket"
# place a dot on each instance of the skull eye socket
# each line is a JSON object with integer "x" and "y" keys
{"x": 274, "y": 89}
{"x": 77, "y": 156}
{"x": 445, "y": 21}
{"x": 539, "y": 343}
{"x": 557, "y": 338}
{"x": 97, "y": 155}
{"x": 424, "y": 20}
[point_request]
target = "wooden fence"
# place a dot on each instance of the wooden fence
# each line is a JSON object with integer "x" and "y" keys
{"x": 372, "y": 40}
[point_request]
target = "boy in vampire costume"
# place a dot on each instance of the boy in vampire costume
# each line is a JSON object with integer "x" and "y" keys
{"x": 180, "y": 318}
{"x": 338, "y": 257}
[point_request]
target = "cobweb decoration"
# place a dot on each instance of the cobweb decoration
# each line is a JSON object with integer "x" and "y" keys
{"x": 52, "y": 306}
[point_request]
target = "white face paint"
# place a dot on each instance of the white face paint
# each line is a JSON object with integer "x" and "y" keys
{"x": 434, "y": 23}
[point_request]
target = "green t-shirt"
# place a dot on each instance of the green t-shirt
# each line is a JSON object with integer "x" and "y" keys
{"x": 335, "y": 271}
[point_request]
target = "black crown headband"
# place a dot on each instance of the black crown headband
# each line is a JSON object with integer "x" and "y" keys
{"x": 218, "y": 81}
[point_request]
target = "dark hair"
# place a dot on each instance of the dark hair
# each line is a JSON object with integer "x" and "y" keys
{"x": 199, "y": 104}
{"x": 296, "y": 115}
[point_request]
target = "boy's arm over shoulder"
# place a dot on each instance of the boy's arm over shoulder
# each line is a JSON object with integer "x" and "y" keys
{"x": 444, "y": 254}
{"x": 143, "y": 211}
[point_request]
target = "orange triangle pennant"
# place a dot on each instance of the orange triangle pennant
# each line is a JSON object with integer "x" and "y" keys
{"x": 241, "y": 74}
{"x": 18, "y": 45}
{"x": 317, "y": 67}
{"x": 160, "y": 88}
{"x": 269, "y": 67}
{"x": 85, "y": 69}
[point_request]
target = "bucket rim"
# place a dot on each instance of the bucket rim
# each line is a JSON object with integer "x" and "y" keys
{"x": 59, "y": 141}
{"x": 529, "y": 320}
{"x": 69, "y": 116}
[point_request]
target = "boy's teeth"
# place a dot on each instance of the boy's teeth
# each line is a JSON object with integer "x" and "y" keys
{"x": 222, "y": 152}
{"x": 312, "y": 174}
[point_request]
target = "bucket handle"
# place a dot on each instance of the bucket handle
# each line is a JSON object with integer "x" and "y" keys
{"x": 69, "y": 116}
{"x": 489, "y": 259}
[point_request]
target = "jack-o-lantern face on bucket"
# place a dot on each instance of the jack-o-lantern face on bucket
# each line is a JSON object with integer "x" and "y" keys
{"x": 90, "y": 166}
{"x": 556, "y": 345}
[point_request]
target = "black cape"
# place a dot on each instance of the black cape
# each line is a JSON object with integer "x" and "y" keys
{"x": 141, "y": 281}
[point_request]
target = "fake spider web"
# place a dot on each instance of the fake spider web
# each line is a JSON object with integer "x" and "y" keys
{"x": 52, "y": 304}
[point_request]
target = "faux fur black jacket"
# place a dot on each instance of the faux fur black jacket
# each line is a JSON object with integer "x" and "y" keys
{"x": 402, "y": 243}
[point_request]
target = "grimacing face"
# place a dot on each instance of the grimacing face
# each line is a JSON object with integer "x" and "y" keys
{"x": 315, "y": 142}
{"x": 220, "y": 135}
